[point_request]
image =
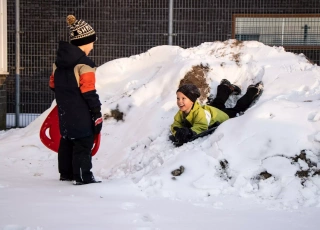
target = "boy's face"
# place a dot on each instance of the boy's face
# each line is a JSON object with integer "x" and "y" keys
{"x": 184, "y": 103}
{"x": 87, "y": 48}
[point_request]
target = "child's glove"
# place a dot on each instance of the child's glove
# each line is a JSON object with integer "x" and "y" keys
{"x": 97, "y": 119}
{"x": 183, "y": 134}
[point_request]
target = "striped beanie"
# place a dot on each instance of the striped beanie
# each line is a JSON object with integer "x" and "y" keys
{"x": 81, "y": 33}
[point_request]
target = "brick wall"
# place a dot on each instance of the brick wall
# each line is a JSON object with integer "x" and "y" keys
{"x": 3, "y": 102}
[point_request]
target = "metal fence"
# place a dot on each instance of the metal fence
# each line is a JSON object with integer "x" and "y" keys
{"x": 129, "y": 27}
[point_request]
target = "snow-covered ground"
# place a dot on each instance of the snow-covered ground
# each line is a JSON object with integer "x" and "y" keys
{"x": 257, "y": 171}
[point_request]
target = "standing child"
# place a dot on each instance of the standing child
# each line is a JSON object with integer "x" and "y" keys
{"x": 193, "y": 119}
{"x": 73, "y": 81}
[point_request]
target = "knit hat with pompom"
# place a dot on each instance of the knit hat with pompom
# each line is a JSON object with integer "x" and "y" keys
{"x": 81, "y": 33}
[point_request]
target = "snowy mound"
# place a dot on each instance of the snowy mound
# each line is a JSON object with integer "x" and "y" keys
{"x": 271, "y": 152}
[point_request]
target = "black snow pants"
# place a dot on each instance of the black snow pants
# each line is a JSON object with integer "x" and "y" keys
{"x": 74, "y": 158}
{"x": 223, "y": 93}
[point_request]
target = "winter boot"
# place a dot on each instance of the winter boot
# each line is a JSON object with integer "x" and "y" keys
{"x": 235, "y": 90}
{"x": 249, "y": 98}
{"x": 82, "y": 182}
{"x": 258, "y": 87}
{"x": 65, "y": 177}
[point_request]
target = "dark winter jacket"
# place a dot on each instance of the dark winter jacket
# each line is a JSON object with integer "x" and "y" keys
{"x": 73, "y": 81}
{"x": 199, "y": 118}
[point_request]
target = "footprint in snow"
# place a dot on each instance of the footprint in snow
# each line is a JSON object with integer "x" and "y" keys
{"x": 129, "y": 206}
{"x": 143, "y": 218}
{"x": 314, "y": 116}
{"x": 3, "y": 186}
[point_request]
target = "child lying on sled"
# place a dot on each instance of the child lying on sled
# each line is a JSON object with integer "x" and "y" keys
{"x": 193, "y": 119}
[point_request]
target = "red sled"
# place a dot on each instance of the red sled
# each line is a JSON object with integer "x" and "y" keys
{"x": 51, "y": 123}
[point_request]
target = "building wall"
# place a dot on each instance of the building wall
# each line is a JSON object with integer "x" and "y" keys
{"x": 3, "y": 63}
{"x": 3, "y": 37}
{"x": 3, "y": 102}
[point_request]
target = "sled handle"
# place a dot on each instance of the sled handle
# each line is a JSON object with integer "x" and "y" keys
{"x": 96, "y": 144}
{"x": 44, "y": 138}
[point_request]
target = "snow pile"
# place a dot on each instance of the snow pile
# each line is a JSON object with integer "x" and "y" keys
{"x": 271, "y": 152}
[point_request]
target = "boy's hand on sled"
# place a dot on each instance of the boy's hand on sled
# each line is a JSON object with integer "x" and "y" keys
{"x": 97, "y": 118}
{"x": 183, "y": 134}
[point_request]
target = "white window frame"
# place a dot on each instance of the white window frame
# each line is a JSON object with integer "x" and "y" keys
{"x": 251, "y": 22}
{"x": 3, "y": 38}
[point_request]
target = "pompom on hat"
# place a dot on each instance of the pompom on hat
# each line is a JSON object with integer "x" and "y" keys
{"x": 81, "y": 33}
{"x": 190, "y": 90}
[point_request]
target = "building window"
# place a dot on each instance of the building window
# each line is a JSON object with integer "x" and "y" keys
{"x": 247, "y": 37}
{"x": 3, "y": 38}
{"x": 278, "y": 30}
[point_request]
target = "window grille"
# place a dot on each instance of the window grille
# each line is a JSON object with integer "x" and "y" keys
{"x": 294, "y": 31}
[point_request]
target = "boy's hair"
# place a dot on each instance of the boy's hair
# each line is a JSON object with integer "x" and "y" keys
{"x": 81, "y": 33}
{"x": 190, "y": 90}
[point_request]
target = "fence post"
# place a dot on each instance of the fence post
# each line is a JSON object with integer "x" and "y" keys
{"x": 17, "y": 63}
{"x": 170, "y": 32}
